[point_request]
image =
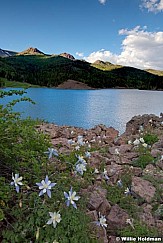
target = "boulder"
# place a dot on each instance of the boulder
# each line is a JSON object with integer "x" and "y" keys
{"x": 117, "y": 217}
{"x": 143, "y": 188}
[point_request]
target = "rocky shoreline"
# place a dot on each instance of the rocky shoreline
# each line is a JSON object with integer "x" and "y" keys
{"x": 118, "y": 154}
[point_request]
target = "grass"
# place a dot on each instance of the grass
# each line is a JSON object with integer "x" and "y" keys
{"x": 16, "y": 84}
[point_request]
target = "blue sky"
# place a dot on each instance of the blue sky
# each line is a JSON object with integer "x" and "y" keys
{"x": 127, "y": 32}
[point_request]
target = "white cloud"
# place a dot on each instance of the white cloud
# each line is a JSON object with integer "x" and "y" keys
{"x": 140, "y": 48}
{"x": 102, "y": 55}
{"x": 102, "y": 1}
{"x": 79, "y": 54}
{"x": 153, "y": 5}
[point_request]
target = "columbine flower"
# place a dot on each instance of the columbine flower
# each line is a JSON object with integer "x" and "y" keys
{"x": 116, "y": 151}
{"x": 119, "y": 183}
{"x": 141, "y": 140}
{"x": 81, "y": 160}
{"x": 130, "y": 222}
{"x": 136, "y": 142}
{"x": 141, "y": 129}
{"x": 102, "y": 221}
{"x": 71, "y": 197}
{"x": 96, "y": 171}
{"x": 80, "y": 140}
{"x": 129, "y": 142}
{"x": 45, "y": 186}
{"x": 77, "y": 147}
{"x": 145, "y": 145}
{"x": 51, "y": 152}
{"x": 71, "y": 142}
{"x": 55, "y": 218}
{"x": 80, "y": 168}
{"x": 105, "y": 174}
{"x": 87, "y": 154}
{"x": 16, "y": 181}
{"x": 127, "y": 191}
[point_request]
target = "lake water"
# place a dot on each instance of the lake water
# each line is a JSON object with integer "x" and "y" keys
{"x": 87, "y": 108}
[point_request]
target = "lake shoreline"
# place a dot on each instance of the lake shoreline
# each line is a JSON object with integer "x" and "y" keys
{"x": 67, "y": 85}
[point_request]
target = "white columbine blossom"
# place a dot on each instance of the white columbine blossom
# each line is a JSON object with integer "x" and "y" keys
{"x": 141, "y": 129}
{"x": 80, "y": 168}
{"x": 17, "y": 181}
{"x": 87, "y": 154}
{"x": 96, "y": 171}
{"x": 141, "y": 140}
{"x": 45, "y": 186}
{"x": 105, "y": 174}
{"x": 136, "y": 142}
{"x": 77, "y": 147}
{"x": 145, "y": 145}
{"x": 80, "y": 140}
{"x": 102, "y": 221}
{"x": 127, "y": 191}
{"x": 116, "y": 151}
{"x": 55, "y": 218}
{"x": 71, "y": 197}
{"x": 130, "y": 222}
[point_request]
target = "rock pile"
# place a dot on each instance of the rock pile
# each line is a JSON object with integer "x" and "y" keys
{"x": 117, "y": 154}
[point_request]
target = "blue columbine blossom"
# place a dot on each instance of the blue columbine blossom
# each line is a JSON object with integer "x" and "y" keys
{"x": 80, "y": 165}
{"x": 81, "y": 160}
{"x": 17, "y": 181}
{"x": 71, "y": 197}
{"x": 45, "y": 186}
{"x": 105, "y": 175}
{"x": 51, "y": 152}
{"x": 80, "y": 168}
{"x": 87, "y": 154}
{"x": 119, "y": 183}
{"x": 80, "y": 140}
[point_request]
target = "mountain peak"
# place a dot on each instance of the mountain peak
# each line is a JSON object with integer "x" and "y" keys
{"x": 99, "y": 62}
{"x": 6, "y": 53}
{"x": 67, "y": 55}
{"x": 31, "y": 51}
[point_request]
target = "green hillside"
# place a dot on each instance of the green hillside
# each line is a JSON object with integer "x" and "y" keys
{"x": 156, "y": 72}
{"x": 51, "y": 71}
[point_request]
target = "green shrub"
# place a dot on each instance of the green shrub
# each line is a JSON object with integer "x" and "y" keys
{"x": 150, "y": 139}
{"x": 144, "y": 160}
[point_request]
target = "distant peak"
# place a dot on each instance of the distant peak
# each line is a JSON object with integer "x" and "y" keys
{"x": 31, "y": 51}
{"x": 99, "y": 62}
{"x": 67, "y": 55}
{"x": 102, "y": 62}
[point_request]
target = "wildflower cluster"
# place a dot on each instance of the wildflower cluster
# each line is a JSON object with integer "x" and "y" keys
{"x": 80, "y": 165}
{"x": 45, "y": 187}
{"x": 138, "y": 142}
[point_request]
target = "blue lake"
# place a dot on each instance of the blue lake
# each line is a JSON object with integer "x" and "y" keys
{"x": 87, "y": 108}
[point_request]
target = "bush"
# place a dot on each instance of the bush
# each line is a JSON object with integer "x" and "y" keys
{"x": 23, "y": 215}
{"x": 150, "y": 139}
